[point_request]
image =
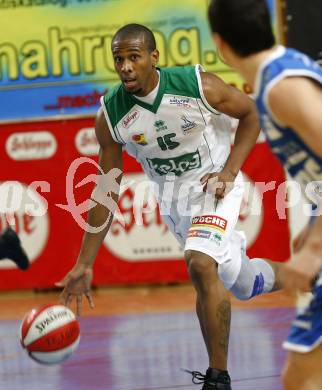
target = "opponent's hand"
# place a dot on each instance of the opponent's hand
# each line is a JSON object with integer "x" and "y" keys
{"x": 301, "y": 238}
{"x": 300, "y": 271}
{"x": 218, "y": 183}
{"x": 76, "y": 284}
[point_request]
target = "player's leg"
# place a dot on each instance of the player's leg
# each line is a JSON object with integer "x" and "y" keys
{"x": 214, "y": 313}
{"x": 255, "y": 276}
{"x": 201, "y": 322}
{"x": 205, "y": 279}
{"x": 213, "y": 306}
{"x": 207, "y": 245}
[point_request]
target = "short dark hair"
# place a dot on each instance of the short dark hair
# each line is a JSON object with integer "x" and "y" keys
{"x": 134, "y": 30}
{"x": 244, "y": 24}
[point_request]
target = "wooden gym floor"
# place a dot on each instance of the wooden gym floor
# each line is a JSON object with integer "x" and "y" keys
{"x": 138, "y": 338}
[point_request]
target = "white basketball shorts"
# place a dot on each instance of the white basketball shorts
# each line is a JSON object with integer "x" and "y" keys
{"x": 210, "y": 227}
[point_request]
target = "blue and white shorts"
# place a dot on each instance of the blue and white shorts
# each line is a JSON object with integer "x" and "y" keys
{"x": 306, "y": 330}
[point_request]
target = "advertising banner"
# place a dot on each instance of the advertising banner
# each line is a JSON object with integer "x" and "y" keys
{"x": 45, "y": 191}
{"x": 55, "y": 55}
{"x": 55, "y": 63}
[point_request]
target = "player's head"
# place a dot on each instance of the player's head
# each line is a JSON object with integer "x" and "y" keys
{"x": 240, "y": 26}
{"x": 135, "y": 56}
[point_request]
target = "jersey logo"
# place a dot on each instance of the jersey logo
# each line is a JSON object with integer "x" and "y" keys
{"x": 160, "y": 125}
{"x": 187, "y": 124}
{"x": 210, "y": 221}
{"x": 130, "y": 119}
{"x": 207, "y": 234}
{"x": 194, "y": 233}
{"x": 180, "y": 102}
{"x": 139, "y": 139}
{"x": 177, "y": 165}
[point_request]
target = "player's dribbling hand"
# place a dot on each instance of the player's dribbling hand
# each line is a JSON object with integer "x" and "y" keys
{"x": 218, "y": 183}
{"x": 76, "y": 284}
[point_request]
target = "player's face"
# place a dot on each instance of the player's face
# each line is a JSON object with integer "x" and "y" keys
{"x": 134, "y": 64}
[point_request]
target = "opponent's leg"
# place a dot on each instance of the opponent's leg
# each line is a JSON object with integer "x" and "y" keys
{"x": 303, "y": 367}
{"x": 10, "y": 248}
{"x": 303, "y": 370}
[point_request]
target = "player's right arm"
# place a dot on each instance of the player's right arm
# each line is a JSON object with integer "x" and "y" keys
{"x": 236, "y": 104}
{"x": 78, "y": 280}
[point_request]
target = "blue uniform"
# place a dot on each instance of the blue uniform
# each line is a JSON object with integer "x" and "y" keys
{"x": 302, "y": 164}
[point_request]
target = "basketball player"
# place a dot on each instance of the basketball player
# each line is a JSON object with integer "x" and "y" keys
{"x": 10, "y": 248}
{"x": 177, "y": 122}
{"x": 288, "y": 92}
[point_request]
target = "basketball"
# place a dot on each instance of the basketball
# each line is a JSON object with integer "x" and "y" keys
{"x": 50, "y": 333}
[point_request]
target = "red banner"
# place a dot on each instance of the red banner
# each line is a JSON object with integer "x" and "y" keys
{"x": 36, "y": 158}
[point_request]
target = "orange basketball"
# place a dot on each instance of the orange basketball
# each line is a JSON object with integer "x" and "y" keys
{"x": 50, "y": 333}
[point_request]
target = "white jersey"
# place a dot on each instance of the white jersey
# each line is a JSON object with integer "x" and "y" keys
{"x": 180, "y": 136}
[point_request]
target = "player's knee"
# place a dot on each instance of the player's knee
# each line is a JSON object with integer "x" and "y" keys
{"x": 241, "y": 292}
{"x": 248, "y": 286}
{"x": 200, "y": 267}
{"x": 244, "y": 284}
{"x": 255, "y": 277}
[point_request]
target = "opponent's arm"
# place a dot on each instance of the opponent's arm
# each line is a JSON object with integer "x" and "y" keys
{"x": 78, "y": 281}
{"x": 236, "y": 104}
{"x": 296, "y": 102}
{"x": 304, "y": 265}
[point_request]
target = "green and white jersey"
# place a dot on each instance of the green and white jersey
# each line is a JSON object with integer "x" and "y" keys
{"x": 180, "y": 134}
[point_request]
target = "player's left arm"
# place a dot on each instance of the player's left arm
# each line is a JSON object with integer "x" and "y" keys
{"x": 296, "y": 102}
{"x": 229, "y": 100}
